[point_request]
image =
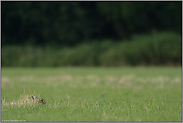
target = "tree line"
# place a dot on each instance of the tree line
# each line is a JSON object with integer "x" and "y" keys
{"x": 73, "y": 23}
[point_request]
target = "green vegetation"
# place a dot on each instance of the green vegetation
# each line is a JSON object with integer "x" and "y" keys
{"x": 159, "y": 48}
{"x": 92, "y": 94}
{"x": 72, "y": 23}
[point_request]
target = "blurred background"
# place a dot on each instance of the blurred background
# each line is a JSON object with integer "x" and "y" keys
{"x": 52, "y": 34}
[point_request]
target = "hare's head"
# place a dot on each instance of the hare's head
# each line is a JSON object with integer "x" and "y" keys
{"x": 42, "y": 101}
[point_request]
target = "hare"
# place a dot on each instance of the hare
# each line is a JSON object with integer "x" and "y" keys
{"x": 40, "y": 101}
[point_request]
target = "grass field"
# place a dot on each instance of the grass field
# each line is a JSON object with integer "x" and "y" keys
{"x": 92, "y": 94}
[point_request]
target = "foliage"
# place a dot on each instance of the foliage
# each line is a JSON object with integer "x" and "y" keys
{"x": 140, "y": 17}
{"x": 73, "y": 23}
{"x": 158, "y": 48}
{"x": 45, "y": 23}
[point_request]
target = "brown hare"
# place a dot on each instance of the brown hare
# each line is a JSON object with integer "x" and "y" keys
{"x": 40, "y": 101}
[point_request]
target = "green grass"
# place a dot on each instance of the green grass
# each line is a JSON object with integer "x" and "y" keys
{"x": 92, "y": 94}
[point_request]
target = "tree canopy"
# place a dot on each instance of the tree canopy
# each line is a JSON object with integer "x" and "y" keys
{"x": 72, "y": 23}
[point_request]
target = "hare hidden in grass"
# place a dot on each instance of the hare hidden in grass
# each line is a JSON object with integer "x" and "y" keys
{"x": 40, "y": 101}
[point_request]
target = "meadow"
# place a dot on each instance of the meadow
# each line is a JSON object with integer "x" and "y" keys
{"x": 92, "y": 94}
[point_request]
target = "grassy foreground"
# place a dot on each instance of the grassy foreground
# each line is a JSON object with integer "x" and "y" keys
{"x": 92, "y": 94}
